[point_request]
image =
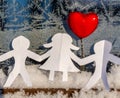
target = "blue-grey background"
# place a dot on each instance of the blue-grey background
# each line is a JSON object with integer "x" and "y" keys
{"x": 38, "y": 20}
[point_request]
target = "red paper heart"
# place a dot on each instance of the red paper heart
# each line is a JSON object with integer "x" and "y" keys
{"x": 82, "y": 24}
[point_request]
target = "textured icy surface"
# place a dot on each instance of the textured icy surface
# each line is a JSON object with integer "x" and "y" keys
{"x": 39, "y": 79}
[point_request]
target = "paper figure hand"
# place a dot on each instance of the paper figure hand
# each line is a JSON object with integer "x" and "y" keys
{"x": 34, "y": 56}
{"x": 74, "y": 47}
{"x": 49, "y": 45}
{"x": 45, "y": 56}
{"x": 82, "y": 61}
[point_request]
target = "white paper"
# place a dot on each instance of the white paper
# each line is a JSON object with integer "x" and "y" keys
{"x": 20, "y": 52}
{"x": 60, "y": 56}
{"x": 101, "y": 57}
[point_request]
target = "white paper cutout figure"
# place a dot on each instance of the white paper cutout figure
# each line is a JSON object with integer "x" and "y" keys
{"x": 20, "y": 52}
{"x": 60, "y": 56}
{"x": 101, "y": 57}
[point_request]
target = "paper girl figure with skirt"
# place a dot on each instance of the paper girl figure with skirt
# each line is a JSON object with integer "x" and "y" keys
{"x": 60, "y": 56}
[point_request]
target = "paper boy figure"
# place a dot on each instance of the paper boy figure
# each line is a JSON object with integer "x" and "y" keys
{"x": 101, "y": 57}
{"x": 60, "y": 56}
{"x": 20, "y": 52}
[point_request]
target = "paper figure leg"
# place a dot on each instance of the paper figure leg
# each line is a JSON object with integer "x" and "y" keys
{"x": 65, "y": 76}
{"x": 51, "y": 76}
{"x": 105, "y": 82}
{"x": 10, "y": 79}
{"x": 26, "y": 78}
{"x": 93, "y": 80}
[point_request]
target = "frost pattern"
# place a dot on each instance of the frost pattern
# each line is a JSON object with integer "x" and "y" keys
{"x": 49, "y": 13}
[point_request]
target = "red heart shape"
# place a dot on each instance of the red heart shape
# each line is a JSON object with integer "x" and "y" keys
{"x": 82, "y": 24}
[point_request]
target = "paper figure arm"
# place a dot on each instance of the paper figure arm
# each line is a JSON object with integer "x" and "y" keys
{"x": 88, "y": 59}
{"x": 114, "y": 59}
{"x": 45, "y": 56}
{"x": 34, "y": 56}
{"x": 49, "y": 45}
{"x": 37, "y": 57}
{"x": 74, "y": 47}
{"x": 83, "y": 61}
{"x": 6, "y": 56}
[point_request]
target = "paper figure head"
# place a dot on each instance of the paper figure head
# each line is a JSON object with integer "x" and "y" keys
{"x": 102, "y": 45}
{"x": 62, "y": 36}
{"x": 20, "y": 43}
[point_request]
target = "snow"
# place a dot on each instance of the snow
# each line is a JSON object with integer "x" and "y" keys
{"x": 39, "y": 79}
{"x": 78, "y": 80}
